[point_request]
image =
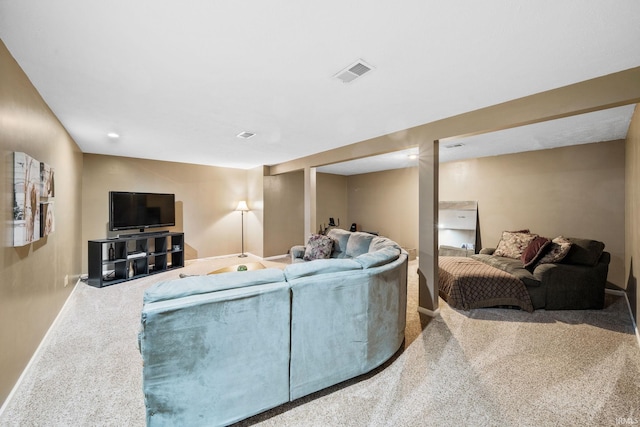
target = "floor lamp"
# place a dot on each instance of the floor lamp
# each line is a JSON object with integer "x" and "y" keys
{"x": 242, "y": 207}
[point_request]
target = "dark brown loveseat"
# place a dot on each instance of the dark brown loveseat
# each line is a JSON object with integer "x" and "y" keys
{"x": 577, "y": 282}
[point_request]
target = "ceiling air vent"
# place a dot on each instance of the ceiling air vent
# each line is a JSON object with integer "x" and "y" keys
{"x": 245, "y": 135}
{"x": 457, "y": 145}
{"x": 353, "y": 71}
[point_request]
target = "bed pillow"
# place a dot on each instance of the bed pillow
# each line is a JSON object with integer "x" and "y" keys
{"x": 534, "y": 251}
{"x": 318, "y": 247}
{"x": 558, "y": 249}
{"x": 513, "y": 243}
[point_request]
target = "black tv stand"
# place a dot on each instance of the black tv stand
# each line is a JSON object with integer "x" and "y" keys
{"x": 142, "y": 233}
{"x": 134, "y": 256}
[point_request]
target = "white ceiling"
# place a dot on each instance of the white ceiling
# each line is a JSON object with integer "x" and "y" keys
{"x": 179, "y": 80}
{"x": 599, "y": 126}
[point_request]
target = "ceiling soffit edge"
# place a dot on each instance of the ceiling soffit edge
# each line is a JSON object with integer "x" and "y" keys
{"x": 612, "y": 90}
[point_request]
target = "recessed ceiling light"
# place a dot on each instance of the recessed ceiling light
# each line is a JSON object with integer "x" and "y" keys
{"x": 245, "y": 135}
{"x": 413, "y": 156}
{"x": 113, "y": 135}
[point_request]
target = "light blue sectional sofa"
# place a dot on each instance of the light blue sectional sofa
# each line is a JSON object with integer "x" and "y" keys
{"x": 220, "y": 348}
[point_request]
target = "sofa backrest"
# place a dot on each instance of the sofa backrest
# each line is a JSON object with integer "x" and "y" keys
{"x": 346, "y": 323}
{"x": 214, "y": 358}
{"x": 347, "y": 244}
{"x": 319, "y": 266}
{"x": 340, "y": 238}
{"x": 196, "y": 285}
{"x": 584, "y": 252}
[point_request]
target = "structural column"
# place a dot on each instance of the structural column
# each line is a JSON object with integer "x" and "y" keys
{"x": 310, "y": 225}
{"x": 428, "y": 228}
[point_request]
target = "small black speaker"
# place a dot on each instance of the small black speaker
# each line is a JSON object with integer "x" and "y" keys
{"x": 353, "y": 227}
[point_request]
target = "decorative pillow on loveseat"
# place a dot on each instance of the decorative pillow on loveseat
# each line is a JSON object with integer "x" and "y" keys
{"x": 584, "y": 252}
{"x": 534, "y": 251}
{"x": 558, "y": 249}
{"x": 318, "y": 247}
{"x": 513, "y": 243}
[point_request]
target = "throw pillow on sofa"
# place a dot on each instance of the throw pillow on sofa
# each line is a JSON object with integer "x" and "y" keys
{"x": 584, "y": 252}
{"x": 513, "y": 243}
{"x": 318, "y": 247}
{"x": 534, "y": 251}
{"x": 558, "y": 249}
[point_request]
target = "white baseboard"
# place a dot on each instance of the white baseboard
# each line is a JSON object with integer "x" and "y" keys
{"x": 37, "y": 352}
{"x": 622, "y": 293}
{"x": 269, "y": 258}
{"x": 219, "y": 257}
{"x": 428, "y": 312}
{"x": 237, "y": 255}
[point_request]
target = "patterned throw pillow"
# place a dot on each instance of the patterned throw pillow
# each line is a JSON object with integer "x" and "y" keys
{"x": 513, "y": 243}
{"x": 318, "y": 247}
{"x": 558, "y": 249}
{"x": 534, "y": 251}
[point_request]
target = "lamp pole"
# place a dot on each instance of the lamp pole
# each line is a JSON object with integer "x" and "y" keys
{"x": 242, "y": 255}
{"x": 242, "y": 207}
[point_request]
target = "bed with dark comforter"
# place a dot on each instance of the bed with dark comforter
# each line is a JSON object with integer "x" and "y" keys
{"x": 465, "y": 283}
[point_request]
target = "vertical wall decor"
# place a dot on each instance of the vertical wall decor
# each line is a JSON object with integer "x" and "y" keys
{"x": 47, "y": 219}
{"x": 47, "y": 187}
{"x": 26, "y": 199}
{"x": 47, "y": 191}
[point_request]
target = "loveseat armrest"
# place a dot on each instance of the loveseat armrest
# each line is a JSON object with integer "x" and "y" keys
{"x": 297, "y": 253}
{"x": 573, "y": 287}
{"x": 487, "y": 251}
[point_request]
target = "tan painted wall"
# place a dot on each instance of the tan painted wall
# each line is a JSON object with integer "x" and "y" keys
{"x": 32, "y": 287}
{"x": 206, "y": 198}
{"x": 387, "y": 203}
{"x": 573, "y": 191}
{"x": 284, "y": 212}
{"x": 331, "y": 200}
{"x": 632, "y": 213}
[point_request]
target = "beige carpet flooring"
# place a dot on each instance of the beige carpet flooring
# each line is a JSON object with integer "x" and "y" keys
{"x": 486, "y": 367}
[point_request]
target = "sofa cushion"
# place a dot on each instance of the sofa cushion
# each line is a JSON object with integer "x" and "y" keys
{"x": 320, "y": 266}
{"x": 318, "y": 247}
{"x": 340, "y": 238}
{"x": 358, "y": 243}
{"x": 584, "y": 252}
{"x": 511, "y": 266}
{"x": 378, "y": 243}
{"x": 558, "y": 249}
{"x": 195, "y": 285}
{"x": 377, "y": 258}
{"x": 534, "y": 251}
{"x": 513, "y": 243}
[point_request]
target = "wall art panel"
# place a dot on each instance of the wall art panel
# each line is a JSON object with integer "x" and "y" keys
{"x": 26, "y": 199}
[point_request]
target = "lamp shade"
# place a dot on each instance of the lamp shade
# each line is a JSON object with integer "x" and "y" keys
{"x": 242, "y": 206}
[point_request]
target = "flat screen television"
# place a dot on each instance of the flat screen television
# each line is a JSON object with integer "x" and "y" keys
{"x": 129, "y": 210}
